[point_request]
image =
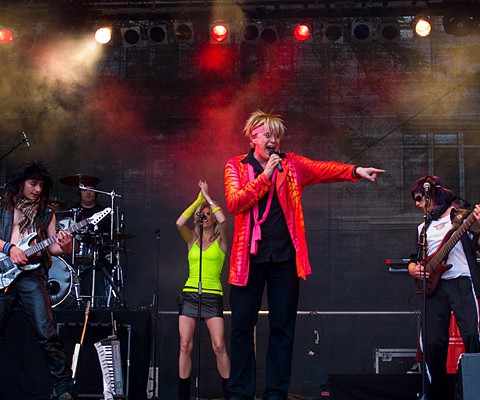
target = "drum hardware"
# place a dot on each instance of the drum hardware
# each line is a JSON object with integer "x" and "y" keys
{"x": 56, "y": 204}
{"x": 115, "y": 280}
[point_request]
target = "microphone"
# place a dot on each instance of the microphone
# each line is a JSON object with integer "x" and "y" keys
{"x": 201, "y": 217}
{"x": 279, "y": 165}
{"x": 426, "y": 187}
{"x": 81, "y": 186}
{"x": 25, "y": 139}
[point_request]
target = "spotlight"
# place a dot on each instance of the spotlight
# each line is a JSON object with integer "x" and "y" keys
{"x": 158, "y": 34}
{"x": 422, "y": 26}
{"x": 6, "y": 36}
{"x": 219, "y": 33}
{"x": 390, "y": 30}
{"x": 103, "y": 34}
{"x": 183, "y": 31}
{"x": 302, "y": 32}
{"x": 131, "y": 35}
{"x": 333, "y": 32}
{"x": 250, "y": 32}
{"x": 361, "y": 31}
{"x": 458, "y": 25}
{"x": 269, "y": 34}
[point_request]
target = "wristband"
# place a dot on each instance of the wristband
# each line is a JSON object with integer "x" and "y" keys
{"x": 7, "y": 247}
{"x": 355, "y": 175}
{"x": 216, "y": 209}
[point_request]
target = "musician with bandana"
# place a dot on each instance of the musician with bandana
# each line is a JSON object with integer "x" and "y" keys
{"x": 457, "y": 288}
{"x": 23, "y": 210}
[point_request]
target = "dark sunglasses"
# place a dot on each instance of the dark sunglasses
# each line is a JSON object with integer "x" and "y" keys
{"x": 418, "y": 197}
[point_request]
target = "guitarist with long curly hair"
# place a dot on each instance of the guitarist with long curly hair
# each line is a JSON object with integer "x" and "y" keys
{"x": 452, "y": 273}
{"x": 23, "y": 212}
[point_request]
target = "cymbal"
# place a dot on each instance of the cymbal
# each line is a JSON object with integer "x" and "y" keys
{"x": 56, "y": 204}
{"x": 80, "y": 179}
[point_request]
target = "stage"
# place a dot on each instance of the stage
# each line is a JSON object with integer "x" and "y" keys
{"x": 24, "y": 375}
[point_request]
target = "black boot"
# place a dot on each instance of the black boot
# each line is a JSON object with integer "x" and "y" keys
{"x": 226, "y": 388}
{"x": 184, "y": 389}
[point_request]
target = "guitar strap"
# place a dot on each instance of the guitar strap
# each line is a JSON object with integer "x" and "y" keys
{"x": 457, "y": 217}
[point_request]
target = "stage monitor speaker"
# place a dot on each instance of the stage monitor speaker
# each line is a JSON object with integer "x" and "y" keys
{"x": 468, "y": 377}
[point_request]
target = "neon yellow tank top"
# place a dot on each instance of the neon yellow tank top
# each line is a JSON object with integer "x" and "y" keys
{"x": 212, "y": 264}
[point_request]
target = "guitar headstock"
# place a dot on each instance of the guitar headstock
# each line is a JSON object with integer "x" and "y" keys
{"x": 87, "y": 308}
{"x": 97, "y": 217}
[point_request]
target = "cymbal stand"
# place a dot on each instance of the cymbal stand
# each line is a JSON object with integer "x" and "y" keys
{"x": 76, "y": 281}
{"x": 118, "y": 271}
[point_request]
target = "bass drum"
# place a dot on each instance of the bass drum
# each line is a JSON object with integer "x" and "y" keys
{"x": 61, "y": 277}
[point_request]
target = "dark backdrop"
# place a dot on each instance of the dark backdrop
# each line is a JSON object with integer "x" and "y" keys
{"x": 150, "y": 121}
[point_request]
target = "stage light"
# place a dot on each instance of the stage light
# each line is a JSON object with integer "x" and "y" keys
{"x": 158, "y": 34}
{"x": 6, "y": 36}
{"x": 103, "y": 35}
{"x": 250, "y": 32}
{"x": 390, "y": 30}
{"x": 422, "y": 26}
{"x": 219, "y": 33}
{"x": 269, "y": 34}
{"x": 302, "y": 32}
{"x": 131, "y": 35}
{"x": 361, "y": 31}
{"x": 459, "y": 25}
{"x": 333, "y": 32}
{"x": 184, "y": 31}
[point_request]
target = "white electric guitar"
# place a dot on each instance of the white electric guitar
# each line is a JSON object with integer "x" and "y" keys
{"x": 9, "y": 271}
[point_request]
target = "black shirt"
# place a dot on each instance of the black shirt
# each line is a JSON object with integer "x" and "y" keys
{"x": 276, "y": 244}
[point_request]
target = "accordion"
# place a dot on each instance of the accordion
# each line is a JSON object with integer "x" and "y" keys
{"x": 108, "y": 351}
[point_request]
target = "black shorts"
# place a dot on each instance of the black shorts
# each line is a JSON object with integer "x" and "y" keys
{"x": 212, "y": 305}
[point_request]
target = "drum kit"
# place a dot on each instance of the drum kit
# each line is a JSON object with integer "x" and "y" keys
{"x": 97, "y": 253}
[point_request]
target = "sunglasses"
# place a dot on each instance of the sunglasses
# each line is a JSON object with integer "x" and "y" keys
{"x": 418, "y": 197}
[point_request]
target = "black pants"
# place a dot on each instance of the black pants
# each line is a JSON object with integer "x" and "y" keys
{"x": 30, "y": 290}
{"x": 245, "y": 301}
{"x": 451, "y": 295}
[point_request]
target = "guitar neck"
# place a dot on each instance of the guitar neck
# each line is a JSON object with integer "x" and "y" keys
{"x": 452, "y": 241}
{"x": 47, "y": 242}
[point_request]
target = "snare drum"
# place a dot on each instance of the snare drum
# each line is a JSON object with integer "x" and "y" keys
{"x": 60, "y": 281}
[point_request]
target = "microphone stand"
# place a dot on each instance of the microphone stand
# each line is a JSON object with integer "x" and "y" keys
{"x": 153, "y": 381}
{"x": 423, "y": 259}
{"x": 199, "y": 314}
{"x": 24, "y": 140}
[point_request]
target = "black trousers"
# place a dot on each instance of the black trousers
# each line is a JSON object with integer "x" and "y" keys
{"x": 30, "y": 291}
{"x": 282, "y": 293}
{"x": 455, "y": 295}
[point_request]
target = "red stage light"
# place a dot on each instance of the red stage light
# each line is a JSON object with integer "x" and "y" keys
{"x": 301, "y": 32}
{"x": 6, "y": 36}
{"x": 219, "y": 33}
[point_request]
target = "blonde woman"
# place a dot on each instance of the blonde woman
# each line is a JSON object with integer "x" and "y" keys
{"x": 214, "y": 242}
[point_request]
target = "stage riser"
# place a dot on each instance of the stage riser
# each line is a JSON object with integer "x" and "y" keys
{"x": 324, "y": 345}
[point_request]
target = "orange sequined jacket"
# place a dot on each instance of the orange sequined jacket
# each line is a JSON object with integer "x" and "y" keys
{"x": 241, "y": 195}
